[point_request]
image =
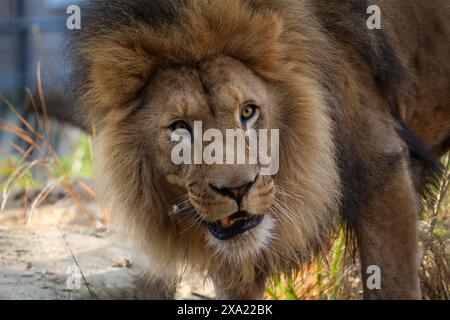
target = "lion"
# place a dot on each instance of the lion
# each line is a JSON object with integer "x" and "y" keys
{"x": 363, "y": 116}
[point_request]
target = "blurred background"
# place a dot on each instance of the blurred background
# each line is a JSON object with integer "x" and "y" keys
{"x": 51, "y": 218}
{"x": 33, "y": 32}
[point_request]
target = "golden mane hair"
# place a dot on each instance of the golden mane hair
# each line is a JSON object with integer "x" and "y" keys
{"x": 121, "y": 62}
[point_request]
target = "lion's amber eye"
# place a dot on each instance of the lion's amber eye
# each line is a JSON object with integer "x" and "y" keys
{"x": 248, "y": 112}
{"x": 180, "y": 125}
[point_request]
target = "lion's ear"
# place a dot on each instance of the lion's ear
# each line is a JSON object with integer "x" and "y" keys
{"x": 118, "y": 71}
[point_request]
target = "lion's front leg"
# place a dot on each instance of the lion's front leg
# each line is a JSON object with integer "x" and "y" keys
{"x": 387, "y": 240}
{"x": 252, "y": 290}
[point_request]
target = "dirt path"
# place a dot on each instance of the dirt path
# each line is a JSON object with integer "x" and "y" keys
{"x": 43, "y": 261}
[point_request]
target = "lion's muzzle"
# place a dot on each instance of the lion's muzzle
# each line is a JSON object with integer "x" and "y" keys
{"x": 239, "y": 222}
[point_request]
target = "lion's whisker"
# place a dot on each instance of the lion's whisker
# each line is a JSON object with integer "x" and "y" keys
{"x": 181, "y": 206}
{"x": 286, "y": 213}
{"x": 193, "y": 222}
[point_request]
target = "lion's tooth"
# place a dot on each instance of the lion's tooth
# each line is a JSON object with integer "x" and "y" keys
{"x": 227, "y": 223}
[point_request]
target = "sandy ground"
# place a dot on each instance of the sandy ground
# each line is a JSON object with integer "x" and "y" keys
{"x": 62, "y": 254}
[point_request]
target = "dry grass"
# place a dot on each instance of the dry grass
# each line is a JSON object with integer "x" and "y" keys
{"x": 37, "y": 169}
{"x": 334, "y": 276}
{"x": 435, "y": 239}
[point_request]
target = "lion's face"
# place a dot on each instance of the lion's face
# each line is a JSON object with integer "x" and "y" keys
{"x": 229, "y": 202}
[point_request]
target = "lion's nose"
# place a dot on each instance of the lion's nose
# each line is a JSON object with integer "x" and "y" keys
{"x": 236, "y": 193}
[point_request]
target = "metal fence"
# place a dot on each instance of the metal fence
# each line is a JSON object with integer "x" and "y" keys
{"x": 31, "y": 33}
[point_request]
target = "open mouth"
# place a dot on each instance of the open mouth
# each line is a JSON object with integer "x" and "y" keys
{"x": 234, "y": 225}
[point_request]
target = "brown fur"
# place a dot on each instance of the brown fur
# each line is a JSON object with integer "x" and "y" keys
{"x": 335, "y": 105}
